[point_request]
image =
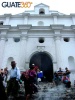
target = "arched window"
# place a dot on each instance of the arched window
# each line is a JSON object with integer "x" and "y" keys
{"x": 66, "y": 39}
{"x": 41, "y": 40}
{"x": 41, "y": 11}
{"x": 1, "y": 22}
{"x": 71, "y": 62}
{"x": 9, "y": 62}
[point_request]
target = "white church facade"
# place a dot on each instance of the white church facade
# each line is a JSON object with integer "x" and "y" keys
{"x": 41, "y": 36}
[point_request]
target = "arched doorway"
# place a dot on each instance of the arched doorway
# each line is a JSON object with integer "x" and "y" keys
{"x": 44, "y": 62}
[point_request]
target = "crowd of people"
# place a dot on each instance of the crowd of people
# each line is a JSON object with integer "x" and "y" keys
{"x": 62, "y": 76}
{"x": 10, "y": 80}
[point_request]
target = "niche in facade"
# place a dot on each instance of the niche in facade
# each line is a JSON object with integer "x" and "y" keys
{"x": 66, "y": 39}
{"x": 41, "y": 40}
{"x": 9, "y": 62}
{"x": 16, "y": 39}
{"x": 40, "y": 23}
{"x": 71, "y": 62}
{"x": 41, "y": 11}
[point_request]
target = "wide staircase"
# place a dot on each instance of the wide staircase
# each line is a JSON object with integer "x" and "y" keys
{"x": 48, "y": 91}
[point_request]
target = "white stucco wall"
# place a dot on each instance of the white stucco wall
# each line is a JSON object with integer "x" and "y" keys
{"x": 12, "y": 49}
{"x": 29, "y": 32}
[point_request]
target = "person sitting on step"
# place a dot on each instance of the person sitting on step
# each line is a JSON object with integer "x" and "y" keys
{"x": 66, "y": 81}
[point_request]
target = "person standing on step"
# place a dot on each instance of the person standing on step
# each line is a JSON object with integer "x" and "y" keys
{"x": 13, "y": 85}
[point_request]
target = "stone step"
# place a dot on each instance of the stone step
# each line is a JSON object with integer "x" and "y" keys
{"x": 48, "y": 92}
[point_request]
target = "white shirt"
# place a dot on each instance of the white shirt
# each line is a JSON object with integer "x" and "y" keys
{"x": 15, "y": 73}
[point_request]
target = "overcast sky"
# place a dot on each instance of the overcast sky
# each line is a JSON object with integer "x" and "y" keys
{"x": 62, "y": 6}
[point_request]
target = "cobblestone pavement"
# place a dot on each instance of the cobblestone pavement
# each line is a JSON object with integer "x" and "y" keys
{"x": 46, "y": 91}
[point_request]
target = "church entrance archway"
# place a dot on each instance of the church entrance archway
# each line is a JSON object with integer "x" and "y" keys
{"x": 44, "y": 62}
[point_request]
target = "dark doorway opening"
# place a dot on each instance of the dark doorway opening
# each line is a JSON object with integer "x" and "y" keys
{"x": 44, "y": 62}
